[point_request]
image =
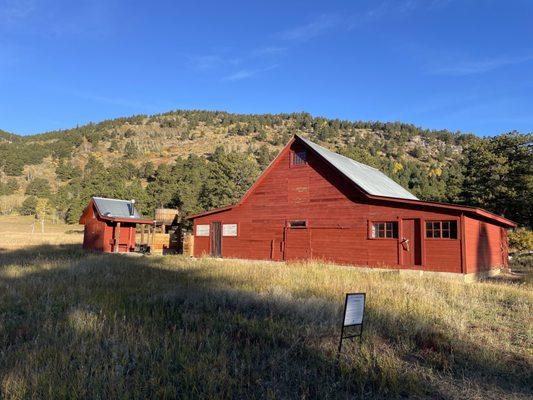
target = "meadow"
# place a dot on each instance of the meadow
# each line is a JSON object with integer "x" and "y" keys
{"x": 82, "y": 325}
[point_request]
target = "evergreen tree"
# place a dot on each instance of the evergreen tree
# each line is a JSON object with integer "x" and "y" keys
{"x": 147, "y": 170}
{"x": 114, "y": 147}
{"x": 29, "y": 206}
{"x": 161, "y": 188}
{"x": 38, "y": 187}
{"x": 131, "y": 150}
{"x": 264, "y": 156}
{"x": 230, "y": 175}
{"x": 499, "y": 176}
{"x": 65, "y": 171}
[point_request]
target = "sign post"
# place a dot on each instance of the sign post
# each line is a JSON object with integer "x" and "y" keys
{"x": 354, "y": 311}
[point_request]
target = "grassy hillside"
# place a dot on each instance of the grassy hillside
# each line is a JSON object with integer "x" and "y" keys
{"x": 80, "y": 325}
{"x": 195, "y": 160}
{"x": 162, "y": 138}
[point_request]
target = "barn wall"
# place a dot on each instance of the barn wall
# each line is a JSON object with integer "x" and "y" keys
{"x": 99, "y": 236}
{"x": 337, "y": 215}
{"x": 443, "y": 255}
{"x": 93, "y": 235}
{"x": 486, "y": 246}
{"x": 126, "y": 239}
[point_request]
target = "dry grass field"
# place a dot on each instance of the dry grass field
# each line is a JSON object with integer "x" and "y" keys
{"x": 25, "y": 231}
{"x": 80, "y": 325}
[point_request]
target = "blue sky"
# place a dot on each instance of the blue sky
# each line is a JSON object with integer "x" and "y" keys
{"x": 461, "y": 65}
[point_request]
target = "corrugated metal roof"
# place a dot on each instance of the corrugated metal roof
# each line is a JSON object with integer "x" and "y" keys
{"x": 370, "y": 179}
{"x": 114, "y": 208}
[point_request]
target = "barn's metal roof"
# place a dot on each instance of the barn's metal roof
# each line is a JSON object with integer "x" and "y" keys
{"x": 114, "y": 208}
{"x": 369, "y": 179}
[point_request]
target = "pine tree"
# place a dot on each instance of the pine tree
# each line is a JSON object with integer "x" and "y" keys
{"x": 38, "y": 187}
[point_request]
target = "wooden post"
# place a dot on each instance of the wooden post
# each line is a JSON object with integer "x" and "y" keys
{"x": 142, "y": 234}
{"x": 117, "y": 237}
{"x": 129, "y": 237}
{"x": 462, "y": 233}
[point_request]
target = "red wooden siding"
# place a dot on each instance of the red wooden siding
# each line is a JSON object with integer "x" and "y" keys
{"x": 486, "y": 246}
{"x": 338, "y": 216}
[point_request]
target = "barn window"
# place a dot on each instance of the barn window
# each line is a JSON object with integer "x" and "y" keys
{"x": 441, "y": 229}
{"x": 384, "y": 230}
{"x": 299, "y": 157}
{"x": 301, "y": 223}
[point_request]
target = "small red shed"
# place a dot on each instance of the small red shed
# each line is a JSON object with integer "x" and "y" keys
{"x": 311, "y": 203}
{"x": 110, "y": 225}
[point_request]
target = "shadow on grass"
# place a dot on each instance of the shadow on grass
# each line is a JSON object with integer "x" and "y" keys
{"x": 95, "y": 325}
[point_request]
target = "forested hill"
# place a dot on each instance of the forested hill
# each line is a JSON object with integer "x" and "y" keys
{"x": 196, "y": 160}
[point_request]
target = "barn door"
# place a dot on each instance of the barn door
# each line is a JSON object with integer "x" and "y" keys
{"x": 410, "y": 243}
{"x": 297, "y": 244}
{"x": 216, "y": 239}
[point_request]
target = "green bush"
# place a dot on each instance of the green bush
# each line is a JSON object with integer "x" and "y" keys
{"x": 521, "y": 239}
{"x": 28, "y": 206}
{"x": 38, "y": 187}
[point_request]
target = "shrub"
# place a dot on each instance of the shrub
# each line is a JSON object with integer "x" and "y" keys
{"x": 521, "y": 239}
{"x": 38, "y": 187}
{"x": 28, "y": 206}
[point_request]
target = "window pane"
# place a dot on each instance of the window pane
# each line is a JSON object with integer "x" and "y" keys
{"x": 298, "y": 224}
{"x": 299, "y": 158}
{"x": 441, "y": 229}
{"x": 453, "y": 229}
{"x": 384, "y": 230}
{"x": 429, "y": 230}
{"x": 388, "y": 230}
{"x": 436, "y": 229}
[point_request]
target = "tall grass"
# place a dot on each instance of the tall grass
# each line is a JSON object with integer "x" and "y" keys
{"x": 80, "y": 325}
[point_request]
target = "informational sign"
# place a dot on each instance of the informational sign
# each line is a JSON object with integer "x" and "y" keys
{"x": 355, "y": 308}
{"x": 202, "y": 230}
{"x": 229, "y": 230}
{"x": 353, "y": 317}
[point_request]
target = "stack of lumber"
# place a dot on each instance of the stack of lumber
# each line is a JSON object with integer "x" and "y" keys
{"x": 160, "y": 242}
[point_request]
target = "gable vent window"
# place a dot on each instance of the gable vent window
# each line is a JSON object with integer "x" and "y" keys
{"x": 299, "y": 158}
{"x": 441, "y": 229}
{"x": 384, "y": 230}
{"x": 298, "y": 224}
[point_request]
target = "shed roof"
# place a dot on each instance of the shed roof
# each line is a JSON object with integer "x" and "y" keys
{"x": 115, "y": 208}
{"x": 119, "y": 210}
{"x": 370, "y": 179}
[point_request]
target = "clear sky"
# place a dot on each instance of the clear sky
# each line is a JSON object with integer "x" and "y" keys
{"x": 461, "y": 65}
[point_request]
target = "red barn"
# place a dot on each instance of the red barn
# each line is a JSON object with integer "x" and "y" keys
{"x": 110, "y": 225}
{"x": 311, "y": 203}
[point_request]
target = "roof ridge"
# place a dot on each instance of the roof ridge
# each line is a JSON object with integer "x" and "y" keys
{"x": 338, "y": 154}
{"x": 109, "y": 198}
